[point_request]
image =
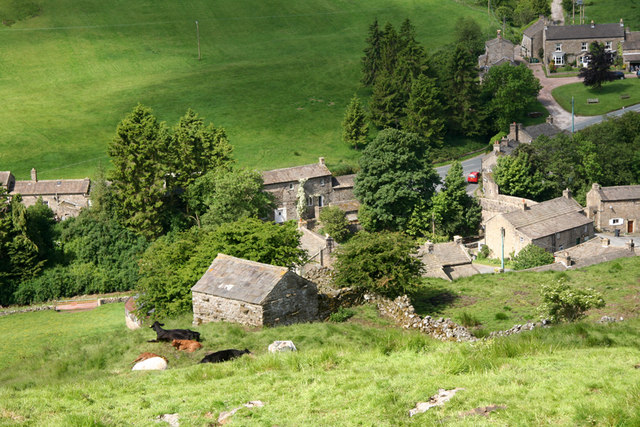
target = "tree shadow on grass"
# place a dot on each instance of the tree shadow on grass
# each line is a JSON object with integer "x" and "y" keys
{"x": 432, "y": 300}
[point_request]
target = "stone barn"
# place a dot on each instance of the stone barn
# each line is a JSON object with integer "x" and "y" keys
{"x": 251, "y": 293}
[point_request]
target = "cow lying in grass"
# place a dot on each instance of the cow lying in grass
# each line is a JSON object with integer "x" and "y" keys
{"x": 224, "y": 355}
{"x": 186, "y": 345}
{"x": 173, "y": 334}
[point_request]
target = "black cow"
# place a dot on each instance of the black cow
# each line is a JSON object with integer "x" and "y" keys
{"x": 224, "y": 355}
{"x": 173, "y": 334}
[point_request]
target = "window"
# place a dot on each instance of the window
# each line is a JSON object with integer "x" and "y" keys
{"x": 310, "y": 201}
{"x": 558, "y": 47}
{"x": 607, "y": 45}
{"x": 321, "y": 201}
{"x": 585, "y": 46}
{"x": 322, "y": 181}
{"x": 615, "y": 221}
{"x": 558, "y": 59}
{"x": 290, "y": 186}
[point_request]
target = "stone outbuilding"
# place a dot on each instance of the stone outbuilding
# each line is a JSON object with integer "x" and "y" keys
{"x": 447, "y": 261}
{"x": 496, "y": 52}
{"x": 532, "y": 39}
{"x": 614, "y": 208}
{"x": 553, "y": 225}
{"x": 254, "y": 294}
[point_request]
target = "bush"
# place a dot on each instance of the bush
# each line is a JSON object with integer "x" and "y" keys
{"x": 484, "y": 252}
{"x": 501, "y": 316}
{"x": 335, "y": 223}
{"x": 532, "y": 256}
{"x": 379, "y": 262}
{"x": 561, "y": 302}
{"x": 341, "y": 315}
{"x": 468, "y": 320}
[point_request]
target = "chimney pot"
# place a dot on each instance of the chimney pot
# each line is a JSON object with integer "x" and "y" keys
{"x": 621, "y": 23}
{"x": 524, "y": 205}
{"x": 321, "y": 160}
{"x": 593, "y": 24}
{"x": 566, "y": 193}
{"x": 34, "y": 175}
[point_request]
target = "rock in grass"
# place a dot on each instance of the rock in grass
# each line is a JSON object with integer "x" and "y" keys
{"x": 279, "y": 346}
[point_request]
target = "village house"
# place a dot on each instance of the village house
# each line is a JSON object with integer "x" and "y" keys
{"x": 631, "y": 50}
{"x": 321, "y": 189}
{"x": 532, "y": 45}
{"x": 496, "y": 51}
{"x": 553, "y": 225}
{"x": 568, "y": 44}
{"x": 65, "y": 197}
{"x": 594, "y": 251}
{"x": 614, "y": 209}
{"x": 448, "y": 261}
{"x": 254, "y": 294}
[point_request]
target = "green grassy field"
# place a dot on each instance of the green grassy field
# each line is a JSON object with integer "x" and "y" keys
{"x": 608, "y": 96}
{"x": 277, "y": 75}
{"x": 610, "y": 11}
{"x": 73, "y": 369}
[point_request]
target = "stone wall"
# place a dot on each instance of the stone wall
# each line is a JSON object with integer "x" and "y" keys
{"x": 209, "y": 308}
{"x": 293, "y": 300}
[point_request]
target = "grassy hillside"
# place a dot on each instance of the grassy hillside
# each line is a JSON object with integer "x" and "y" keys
{"x": 277, "y": 75}
{"x": 610, "y": 11}
{"x": 74, "y": 369}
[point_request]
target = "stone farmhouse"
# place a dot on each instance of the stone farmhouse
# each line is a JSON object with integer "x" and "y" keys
{"x": 615, "y": 209}
{"x": 447, "y": 261}
{"x": 565, "y": 44}
{"x": 496, "y": 51}
{"x": 254, "y": 294}
{"x": 532, "y": 39}
{"x": 553, "y": 225}
{"x": 321, "y": 189}
{"x": 65, "y": 197}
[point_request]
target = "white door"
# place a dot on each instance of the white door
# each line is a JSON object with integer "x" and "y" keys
{"x": 280, "y": 215}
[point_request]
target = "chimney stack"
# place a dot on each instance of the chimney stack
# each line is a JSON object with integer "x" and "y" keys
{"x": 429, "y": 246}
{"x": 621, "y": 23}
{"x": 34, "y": 175}
{"x": 593, "y": 24}
{"x": 499, "y": 34}
{"x": 524, "y": 205}
{"x": 566, "y": 193}
{"x": 496, "y": 147}
{"x": 457, "y": 240}
{"x": 595, "y": 186}
{"x": 605, "y": 242}
{"x": 321, "y": 160}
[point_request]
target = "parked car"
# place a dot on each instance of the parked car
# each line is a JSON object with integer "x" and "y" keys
{"x": 618, "y": 75}
{"x": 473, "y": 177}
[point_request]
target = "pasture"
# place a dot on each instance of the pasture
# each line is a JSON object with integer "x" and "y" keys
{"x": 72, "y": 369}
{"x": 276, "y": 75}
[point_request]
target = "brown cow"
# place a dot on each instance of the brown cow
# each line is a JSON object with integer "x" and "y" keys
{"x": 186, "y": 345}
{"x": 147, "y": 355}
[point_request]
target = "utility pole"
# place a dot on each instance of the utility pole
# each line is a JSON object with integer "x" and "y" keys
{"x": 198, "y": 37}
{"x": 572, "y": 117}
{"x": 502, "y": 248}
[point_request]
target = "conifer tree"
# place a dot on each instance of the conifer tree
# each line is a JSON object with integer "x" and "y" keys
{"x": 138, "y": 153}
{"x": 371, "y": 61}
{"x": 463, "y": 93}
{"x": 390, "y": 47}
{"x": 354, "y": 126}
{"x": 425, "y": 112}
{"x": 386, "y": 104}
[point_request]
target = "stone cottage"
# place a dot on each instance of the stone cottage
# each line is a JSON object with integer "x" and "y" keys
{"x": 65, "y": 197}
{"x": 553, "y": 225}
{"x": 321, "y": 189}
{"x": 614, "y": 208}
{"x": 496, "y": 51}
{"x": 254, "y": 294}
{"x": 532, "y": 39}
{"x": 449, "y": 260}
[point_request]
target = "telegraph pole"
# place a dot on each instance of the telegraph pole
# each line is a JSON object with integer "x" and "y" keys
{"x": 502, "y": 248}
{"x": 198, "y": 37}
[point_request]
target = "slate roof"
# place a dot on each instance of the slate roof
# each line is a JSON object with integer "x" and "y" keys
{"x": 344, "y": 181}
{"x": 546, "y": 129}
{"x": 497, "y": 41}
{"x": 594, "y": 251}
{"x": 546, "y": 218}
{"x": 570, "y": 32}
{"x": 621, "y": 192}
{"x": 5, "y": 176}
{"x": 311, "y": 241}
{"x": 447, "y": 261}
{"x": 535, "y": 28}
{"x": 294, "y": 174}
{"x": 632, "y": 41}
{"x": 51, "y": 187}
{"x": 239, "y": 279}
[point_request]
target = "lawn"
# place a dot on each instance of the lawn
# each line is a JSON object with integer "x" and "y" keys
{"x": 276, "y": 75}
{"x": 73, "y": 369}
{"x": 609, "y": 96}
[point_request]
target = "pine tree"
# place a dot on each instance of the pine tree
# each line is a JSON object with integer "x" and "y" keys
{"x": 354, "y": 126}
{"x": 386, "y": 103}
{"x": 425, "y": 112}
{"x": 138, "y": 153}
{"x": 463, "y": 93}
{"x": 371, "y": 61}
{"x": 390, "y": 47}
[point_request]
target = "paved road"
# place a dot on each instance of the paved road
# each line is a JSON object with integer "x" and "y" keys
{"x": 469, "y": 165}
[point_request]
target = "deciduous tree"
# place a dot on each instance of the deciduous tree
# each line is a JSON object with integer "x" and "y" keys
{"x": 599, "y": 61}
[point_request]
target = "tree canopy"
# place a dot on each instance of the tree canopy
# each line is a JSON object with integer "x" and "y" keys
{"x": 396, "y": 173}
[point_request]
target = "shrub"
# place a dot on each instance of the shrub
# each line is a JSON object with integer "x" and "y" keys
{"x": 501, "y": 316}
{"x": 335, "y": 223}
{"x": 379, "y": 262}
{"x": 561, "y": 302}
{"x": 341, "y": 315}
{"x": 484, "y": 252}
{"x": 532, "y": 256}
{"x": 468, "y": 320}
